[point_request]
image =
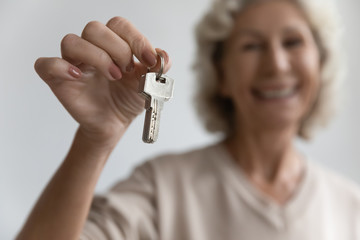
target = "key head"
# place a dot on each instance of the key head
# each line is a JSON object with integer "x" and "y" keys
{"x": 152, "y": 87}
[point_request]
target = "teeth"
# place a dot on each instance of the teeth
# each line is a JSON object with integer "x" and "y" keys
{"x": 282, "y": 93}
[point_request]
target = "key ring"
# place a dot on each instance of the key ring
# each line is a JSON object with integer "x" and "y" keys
{"x": 158, "y": 75}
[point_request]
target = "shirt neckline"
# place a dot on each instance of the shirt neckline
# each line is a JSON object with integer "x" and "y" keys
{"x": 279, "y": 216}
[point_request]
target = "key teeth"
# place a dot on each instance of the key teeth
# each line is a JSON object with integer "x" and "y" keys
{"x": 146, "y": 140}
{"x": 150, "y": 131}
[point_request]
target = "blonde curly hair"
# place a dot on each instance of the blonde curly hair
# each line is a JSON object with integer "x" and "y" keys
{"x": 217, "y": 112}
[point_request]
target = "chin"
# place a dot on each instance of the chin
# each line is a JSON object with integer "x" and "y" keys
{"x": 281, "y": 121}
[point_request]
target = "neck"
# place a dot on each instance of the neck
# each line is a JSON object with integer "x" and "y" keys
{"x": 269, "y": 159}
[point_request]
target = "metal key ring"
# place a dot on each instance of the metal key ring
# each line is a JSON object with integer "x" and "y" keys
{"x": 158, "y": 75}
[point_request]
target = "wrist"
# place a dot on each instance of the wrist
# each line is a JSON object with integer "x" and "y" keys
{"x": 89, "y": 150}
{"x": 102, "y": 140}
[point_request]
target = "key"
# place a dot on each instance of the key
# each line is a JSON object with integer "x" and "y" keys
{"x": 157, "y": 88}
{"x": 156, "y": 91}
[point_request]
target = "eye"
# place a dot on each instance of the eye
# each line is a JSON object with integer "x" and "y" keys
{"x": 251, "y": 47}
{"x": 293, "y": 42}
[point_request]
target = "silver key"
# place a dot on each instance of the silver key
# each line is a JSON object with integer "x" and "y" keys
{"x": 157, "y": 89}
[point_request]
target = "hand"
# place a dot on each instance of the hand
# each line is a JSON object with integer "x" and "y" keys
{"x": 97, "y": 78}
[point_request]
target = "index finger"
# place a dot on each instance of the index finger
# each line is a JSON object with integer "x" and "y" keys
{"x": 138, "y": 43}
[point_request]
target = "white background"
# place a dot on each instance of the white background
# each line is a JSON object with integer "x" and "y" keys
{"x": 35, "y": 130}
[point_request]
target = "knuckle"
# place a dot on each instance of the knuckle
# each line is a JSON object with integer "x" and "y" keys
{"x": 103, "y": 58}
{"x": 51, "y": 67}
{"x": 46, "y": 68}
{"x": 117, "y": 22}
{"x": 38, "y": 64}
{"x": 67, "y": 41}
{"x": 136, "y": 40}
{"x": 127, "y": 52}
{"x": 124, "y": 52}
{"x": 139, "y": 42}
{"x": 92, "y": 28}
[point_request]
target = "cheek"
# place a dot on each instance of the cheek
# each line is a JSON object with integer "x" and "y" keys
{"x": 239, "y": 80}
{"x": 240, "y": 72}
{"x": 309, "y": 71}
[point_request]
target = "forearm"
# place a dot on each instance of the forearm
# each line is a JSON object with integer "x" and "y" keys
{"x": 62, "y": 208}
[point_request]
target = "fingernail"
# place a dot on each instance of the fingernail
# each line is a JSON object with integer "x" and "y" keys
{"x": 74, "y": 72}
{"x": 115, "y": 72}
{"x": 130, "y": 67}
{"x": 149, "y": 58}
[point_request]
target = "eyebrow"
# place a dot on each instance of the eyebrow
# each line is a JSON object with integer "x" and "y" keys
{"x": 291, "y": 29}
{"x": 258, "y": 34}
{"x": 247, "y": 32}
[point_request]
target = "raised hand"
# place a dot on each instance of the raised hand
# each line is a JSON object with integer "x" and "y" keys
{"x": 97, "y": 78}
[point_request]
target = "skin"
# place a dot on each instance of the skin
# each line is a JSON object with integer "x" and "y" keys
{"x": 271, "y": 47}
{"x": 96, "y": 80}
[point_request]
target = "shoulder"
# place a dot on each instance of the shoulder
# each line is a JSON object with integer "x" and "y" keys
{"x": 338, "y": 186}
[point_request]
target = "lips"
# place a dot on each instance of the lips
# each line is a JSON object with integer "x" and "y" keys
{"x": 275, "y": 93}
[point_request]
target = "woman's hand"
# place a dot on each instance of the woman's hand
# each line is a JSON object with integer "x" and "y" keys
{"x": 97, "y": 79}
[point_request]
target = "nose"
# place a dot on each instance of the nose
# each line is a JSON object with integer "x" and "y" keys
{"x": 275, "y": 60}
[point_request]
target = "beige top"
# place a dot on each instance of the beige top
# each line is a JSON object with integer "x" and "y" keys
{"x": 204, "y": 195}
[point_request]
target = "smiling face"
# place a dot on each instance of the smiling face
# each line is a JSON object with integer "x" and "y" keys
{"x": 270, "y": 66}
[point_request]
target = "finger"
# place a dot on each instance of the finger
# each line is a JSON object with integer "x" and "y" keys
{"x": 56, "y": 68}
{"x": 167, "y": 61}
{"x": 118, "y": 49}
{"x": 138, "y": 43}
{"x": 140, "y": 69}
{"x": 79, "y": 51}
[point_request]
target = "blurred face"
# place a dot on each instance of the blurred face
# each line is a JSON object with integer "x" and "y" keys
{"x": 271, "y": 65}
